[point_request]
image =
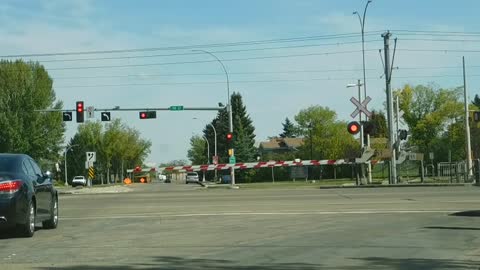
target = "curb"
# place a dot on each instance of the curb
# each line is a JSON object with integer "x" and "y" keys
{"x": 401, "y": 185}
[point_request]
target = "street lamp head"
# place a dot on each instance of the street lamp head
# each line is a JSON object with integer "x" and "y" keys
{"x": 351, "y": 85}
{"x": 354, "y": 13}
{"x": 369, "y": 1}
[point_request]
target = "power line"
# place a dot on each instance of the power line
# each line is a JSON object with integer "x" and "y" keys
{"x": 441, "y": 40}
{"x": 207, "y": 74}
{"x": 439, "y": 50}
{"x": 208, "y": 61}
{"x": 198, "y": 53}
{"x": 228, "y": 44}
{"x": 432, "y": 32}
{"x": 255, "y": 81}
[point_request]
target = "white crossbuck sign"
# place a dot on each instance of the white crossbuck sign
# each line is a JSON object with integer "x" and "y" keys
{"x": 361, "y": 107}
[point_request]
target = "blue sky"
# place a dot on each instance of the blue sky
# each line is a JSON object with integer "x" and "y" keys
{"x": 273, "y": 88}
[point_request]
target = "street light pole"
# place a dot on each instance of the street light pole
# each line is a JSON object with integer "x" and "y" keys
{"x": 229, "y": 105}
{"x": 208, "y": 154}
{"x": 362, "y": 27}
{"x": 215, "y": 136}
{"x": 67, "y": 148}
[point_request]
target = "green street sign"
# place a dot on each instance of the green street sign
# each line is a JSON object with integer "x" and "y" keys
{"x": 232, "y": 160}
{"x": 176, "y": 108}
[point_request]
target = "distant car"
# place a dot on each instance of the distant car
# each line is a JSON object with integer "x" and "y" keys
{"x": 192, "y": 177}
{"x": 27, "y": 196}
{"x": 79, "y": 181}
{"x": 162, "y": 177}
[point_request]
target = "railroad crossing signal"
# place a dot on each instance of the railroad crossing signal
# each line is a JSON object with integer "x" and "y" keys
{"x": 105, "y": 116}
{"x": 67, "y": 116}
{"x": 361, "y": 107}
{"x": 353, "y": 127}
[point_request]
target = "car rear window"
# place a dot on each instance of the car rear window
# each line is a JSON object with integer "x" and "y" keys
{"x": 192, "y": 174}
{"x": 7, "y": 164}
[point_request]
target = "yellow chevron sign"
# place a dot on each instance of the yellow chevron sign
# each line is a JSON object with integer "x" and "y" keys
{"x": 91, "y": 173}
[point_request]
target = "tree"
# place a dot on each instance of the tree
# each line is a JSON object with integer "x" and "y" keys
{"x": 289, "y": 130}
{"x": 118, "y": 147}
{"x": 24, "y": 88}
{"x": 330, "y": 138}
{"x": 428, "y": 112}
{"x": 196, "y": 153}
{"x": 476, "y": 101}
{"x": 379, "y": 122}
{"x": 243, "y": 136}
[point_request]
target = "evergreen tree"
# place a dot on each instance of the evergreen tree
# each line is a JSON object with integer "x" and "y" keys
{"x": 476, "y": 101}
{"x": 288, "y": 129}
{"x": 243, "y": 132}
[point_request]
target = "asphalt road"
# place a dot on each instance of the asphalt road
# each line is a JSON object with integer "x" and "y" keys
{"x": 165, "y": 226}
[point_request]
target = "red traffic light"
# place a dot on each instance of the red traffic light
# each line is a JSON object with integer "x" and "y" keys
{"x": 79, "y": 112}
{"x": 80, "y": 106}
{"x": 148, "y": 115}
{"x": 229, "y": 136}
{"x": 353, "y": 127}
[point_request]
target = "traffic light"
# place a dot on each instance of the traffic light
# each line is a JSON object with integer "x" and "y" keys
{"x": 353, "y": 127}
{"x": 67, "y": 116}
{"x": 229, "y": 137}
{"x": 369, "y": 128}
{"x": 148, "y": 115}
{"x": 402, "y": 134}
{"x": 80, "y": 112}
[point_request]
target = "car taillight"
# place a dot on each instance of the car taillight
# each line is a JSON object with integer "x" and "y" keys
{"x": 10, "y": 186}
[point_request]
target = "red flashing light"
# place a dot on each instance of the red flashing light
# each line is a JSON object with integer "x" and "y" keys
{"x": 229, "y": 136}
{"x": 353, "y": 127}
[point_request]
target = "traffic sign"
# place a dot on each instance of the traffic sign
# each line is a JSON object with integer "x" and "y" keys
{"x": 92, "y": 156}
{"x": 105, "y": 116}
{"x": 232, "y": 160}
{"x": 91, "y": 173}
{"x": 90, "y": 112}
{"x": 361, "y": 107}
{"x": 176, "y": 108}
{"x": 67, "y": 116}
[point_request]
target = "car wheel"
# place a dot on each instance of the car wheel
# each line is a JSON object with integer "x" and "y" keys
{"x": 52, "y": 223}
{"x": 28, "y": 229}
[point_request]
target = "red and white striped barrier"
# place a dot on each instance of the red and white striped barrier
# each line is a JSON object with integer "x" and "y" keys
{"x": 252, "y": 165}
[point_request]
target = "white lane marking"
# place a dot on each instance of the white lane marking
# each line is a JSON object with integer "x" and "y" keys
{"x": 354, "y": 212}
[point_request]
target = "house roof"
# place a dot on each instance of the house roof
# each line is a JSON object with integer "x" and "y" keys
{"x": 282, "y": 143}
